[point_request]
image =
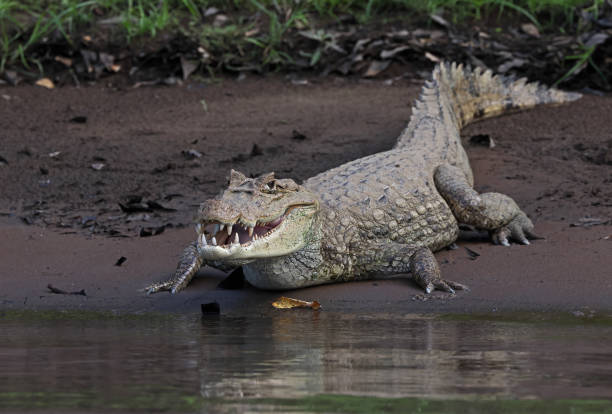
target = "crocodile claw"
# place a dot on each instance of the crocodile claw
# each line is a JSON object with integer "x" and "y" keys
{"x": 518, "y": 230}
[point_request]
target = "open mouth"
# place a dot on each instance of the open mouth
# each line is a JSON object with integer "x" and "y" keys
{"x": 226, "y": 234}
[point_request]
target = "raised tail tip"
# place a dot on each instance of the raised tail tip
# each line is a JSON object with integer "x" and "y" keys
{"x": 560, "y": 96}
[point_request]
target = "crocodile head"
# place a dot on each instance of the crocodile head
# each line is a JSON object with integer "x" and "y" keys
{"x": 255, "y": 218}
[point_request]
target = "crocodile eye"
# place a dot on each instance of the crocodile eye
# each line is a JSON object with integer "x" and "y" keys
{"x": 269, "y": 187}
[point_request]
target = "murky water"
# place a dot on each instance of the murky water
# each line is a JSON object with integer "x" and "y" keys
{"x": 302, "y": 358}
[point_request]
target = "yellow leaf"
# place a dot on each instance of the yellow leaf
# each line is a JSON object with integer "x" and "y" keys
{"x": 45, "y": 83}
{"x": 288, "y": 303}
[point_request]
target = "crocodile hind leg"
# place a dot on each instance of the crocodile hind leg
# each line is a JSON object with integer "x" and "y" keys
{"x": 495, "y": 212}
{"x": 186, "y": 269}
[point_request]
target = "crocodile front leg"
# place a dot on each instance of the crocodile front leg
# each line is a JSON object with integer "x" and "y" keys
{"x": 189, "y": 263}
{"x": 426, "y": 273}
{"x": 495, "y": 212}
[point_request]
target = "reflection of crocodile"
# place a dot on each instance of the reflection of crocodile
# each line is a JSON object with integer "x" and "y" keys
{"x": 376, "y": 216}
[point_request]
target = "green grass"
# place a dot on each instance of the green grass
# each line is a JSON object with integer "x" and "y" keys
{"x": 25, "y": 24}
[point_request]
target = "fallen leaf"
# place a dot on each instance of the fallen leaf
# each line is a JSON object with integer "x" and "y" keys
{"x": 98, "y": 166}
{"x": 54, "y": 154}
{"x": 11, "y": 77}
{"x": 191, "y": 154}
{"x": 188, "y": 66}
{"x": 530, "y": 29}
{"x": 440, "y": 20}
{"x": 55, "y": 290}
{"x": 211, "y": 11}
{"x": 64, "y": 60}
{"x": 388, "y": 54}
{"x": 596, "y": 39}
{"x": 376, "y": 67}
{"x": 288, "y": 303}
{"x": 514, "y": 63}
{"x": 251, "y": 32}
{"x": 432, "y": 57}
{"x": 120, "y": 261}
{"x": 473, "y": 255}
{"x": 45, "y": 83}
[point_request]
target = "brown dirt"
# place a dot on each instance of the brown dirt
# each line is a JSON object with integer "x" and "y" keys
{"x": 554, "y": 161}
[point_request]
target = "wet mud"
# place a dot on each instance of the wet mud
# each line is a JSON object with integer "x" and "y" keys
{"x": 99, "y": 186}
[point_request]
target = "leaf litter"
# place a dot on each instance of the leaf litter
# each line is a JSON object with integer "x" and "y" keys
{"x": 344, "y": 47}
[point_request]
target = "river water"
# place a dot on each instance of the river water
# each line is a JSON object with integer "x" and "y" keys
{"x": 305, "y": 361}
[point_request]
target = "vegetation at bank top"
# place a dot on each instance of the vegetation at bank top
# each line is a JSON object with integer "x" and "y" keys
{"x": 88, "y": 38}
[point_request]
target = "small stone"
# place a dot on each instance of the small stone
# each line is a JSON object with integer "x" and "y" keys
{"x": 421, "y": 209}
{"x": 378, "y": 214}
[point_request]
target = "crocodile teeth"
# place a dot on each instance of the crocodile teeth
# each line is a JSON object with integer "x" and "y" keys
{"x": 198, "y": 227}
{"x": 229, "y": 229}
{"x": 202, "y": 239}
{"x": 250, "y": 231}
{"x": 255, "y": 237}
{"x": 236, "y": 238}
{"x": 222, "y": 226}
{"x": 214, "y": 241}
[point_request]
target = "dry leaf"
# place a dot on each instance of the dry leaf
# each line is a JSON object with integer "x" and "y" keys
{"x": 64, "y": 60}
{"x": 287, "y": 303}
{"x": 530, "y": 29}
{"x": 45, "y": 83}
{"x": 432, "y": 57}
{"x": 376, "y": 67}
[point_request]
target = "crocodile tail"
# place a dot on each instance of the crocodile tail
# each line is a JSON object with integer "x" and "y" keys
{"x": 477, "y": 94}
{"x": 457, "y": 95}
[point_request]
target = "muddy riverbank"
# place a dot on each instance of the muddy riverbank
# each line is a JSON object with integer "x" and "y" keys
{"x": 94, "y": 174}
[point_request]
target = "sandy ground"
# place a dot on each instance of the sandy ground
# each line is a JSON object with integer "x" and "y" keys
{"x": 134, "y": 162}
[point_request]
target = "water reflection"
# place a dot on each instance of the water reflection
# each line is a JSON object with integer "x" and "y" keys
{"x": 295, "y": 355}
{"x": 300, "y": 353}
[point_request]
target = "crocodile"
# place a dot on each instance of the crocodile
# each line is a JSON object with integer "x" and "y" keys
{"x": 380, "y": 216}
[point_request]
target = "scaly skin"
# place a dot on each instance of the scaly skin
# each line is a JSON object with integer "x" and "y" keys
{"x": 374, "y": 217}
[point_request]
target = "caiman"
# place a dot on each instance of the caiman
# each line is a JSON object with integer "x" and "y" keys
{"x": 379, "y": 216}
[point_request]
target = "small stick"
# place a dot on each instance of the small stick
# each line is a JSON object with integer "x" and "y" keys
{"x": 53, "y": 289}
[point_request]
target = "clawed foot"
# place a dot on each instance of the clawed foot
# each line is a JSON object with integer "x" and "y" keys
{"x": 159, "y": 287}
{"x": 519, "y": 229}
{"x": 172, "y": 286}
{"x": 444, "y": 285}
